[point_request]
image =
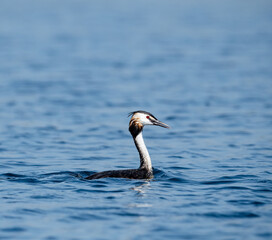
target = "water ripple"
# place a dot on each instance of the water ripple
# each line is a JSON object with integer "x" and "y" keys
{"x": 231, "y": 215}
{"x": 70, "y": 71}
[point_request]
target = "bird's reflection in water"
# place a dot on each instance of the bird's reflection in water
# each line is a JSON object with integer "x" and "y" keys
{"x": 141, "y": 188}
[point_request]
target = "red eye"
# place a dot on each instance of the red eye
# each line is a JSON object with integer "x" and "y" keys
{"x": 147, "y": 117}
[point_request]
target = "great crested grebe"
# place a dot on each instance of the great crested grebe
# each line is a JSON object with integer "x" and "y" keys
{"x": 138, "y": 120}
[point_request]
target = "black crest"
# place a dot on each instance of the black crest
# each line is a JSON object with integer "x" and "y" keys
{"x": 140, "y": 111}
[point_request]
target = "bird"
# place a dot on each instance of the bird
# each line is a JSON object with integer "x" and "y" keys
{"x": 138, "y": 120}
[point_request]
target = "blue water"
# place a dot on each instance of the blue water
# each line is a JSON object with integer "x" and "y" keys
{"x": 70, "y": 71}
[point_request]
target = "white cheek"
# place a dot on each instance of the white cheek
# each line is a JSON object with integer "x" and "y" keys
{"x": 145, "y": 121}
{"x": 142, "y": 119}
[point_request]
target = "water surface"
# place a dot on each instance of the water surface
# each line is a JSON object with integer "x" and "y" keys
{"x": 70, "y": 71}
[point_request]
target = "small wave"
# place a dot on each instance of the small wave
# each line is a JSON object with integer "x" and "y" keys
{"x": 229, "y": 179}
{"x": 216, "y": 182}
{"x": 246, "y": 202}
{"x": 263, "y": 190}
{"x": 235, "y": 188}
{"x": 160, "y": 175}
{"x": 28, "y": 211}
{"x": 53, "y": 177}
{"x": 98, "y": 190}
{"x": 238, "y": 176}
{"x": 19, "y": 178}
{"x": 13, "y": 229}
{"x": 178, "y": 168}
{"x": 12, "y": 175}
{"x": 229, "y": 215}
{"x": 175, "y": 156}
{"x": 87, "y": 217}
{"x": 177, "y": 180}
{"x": 158, "y": 172}
{"x": 92, "y": 158}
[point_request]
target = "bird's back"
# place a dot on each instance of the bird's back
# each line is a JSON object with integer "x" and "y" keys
{"x": 128, "y": 173}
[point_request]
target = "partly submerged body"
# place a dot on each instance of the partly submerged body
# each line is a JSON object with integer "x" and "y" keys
{"x": 127, "y": 173}
{"x": 138, "y": 120}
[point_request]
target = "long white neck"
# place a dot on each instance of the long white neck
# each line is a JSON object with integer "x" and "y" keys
{"x": 145, "y": 160}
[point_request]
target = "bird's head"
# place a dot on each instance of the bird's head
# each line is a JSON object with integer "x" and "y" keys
{"x": 141, "y": 118}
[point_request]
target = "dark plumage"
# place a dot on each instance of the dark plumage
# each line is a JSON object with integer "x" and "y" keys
{"x": 128, "y": 173}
